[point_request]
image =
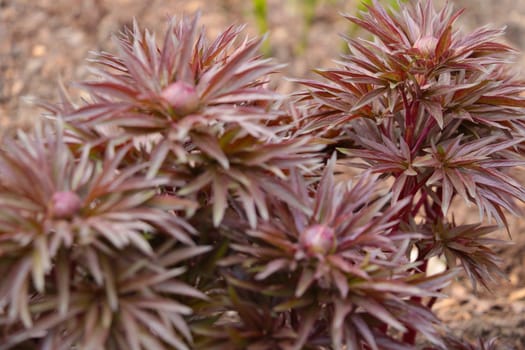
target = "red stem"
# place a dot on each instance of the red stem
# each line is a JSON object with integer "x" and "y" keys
{"x": 408, "y": 117}
{"x": 418, "y": 205}
{"x": 431, "y": 302}
{"x": 430, "y": 124}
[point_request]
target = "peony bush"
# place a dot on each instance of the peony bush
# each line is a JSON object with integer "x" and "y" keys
{"x": 186, "y": 204}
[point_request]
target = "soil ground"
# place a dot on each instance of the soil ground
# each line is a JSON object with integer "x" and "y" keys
{"x": 44, "y": 40}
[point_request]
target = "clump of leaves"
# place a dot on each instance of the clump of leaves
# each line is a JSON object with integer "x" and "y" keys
{"x": 437, "y": 111}
{"x": 187, "y": 205}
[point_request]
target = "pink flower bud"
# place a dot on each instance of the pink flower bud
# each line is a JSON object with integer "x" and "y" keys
{"x": 318, "y": 239}
{"x": 182, "y": 97}
{"x": 426, "y": 45}
{"x": 65, "y": 205}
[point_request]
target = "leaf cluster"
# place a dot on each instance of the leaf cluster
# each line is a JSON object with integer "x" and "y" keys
{"x": 186, "y": 204}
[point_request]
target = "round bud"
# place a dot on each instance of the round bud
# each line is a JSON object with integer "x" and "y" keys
{"x": 64, "y": 205}
{"x": 182, "y": 97}
{"x": 426, "y": 45}
{"x": 318, "y": 239}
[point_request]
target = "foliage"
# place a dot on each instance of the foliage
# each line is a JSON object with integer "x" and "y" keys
{"x": 187, "y": 205}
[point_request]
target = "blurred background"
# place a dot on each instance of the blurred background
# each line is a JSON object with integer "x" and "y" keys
{"x": 44, "y": 40}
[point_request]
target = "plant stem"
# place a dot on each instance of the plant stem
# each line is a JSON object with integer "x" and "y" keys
{"x": 430, "y": 124}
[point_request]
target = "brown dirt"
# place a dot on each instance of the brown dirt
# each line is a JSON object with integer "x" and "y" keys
{"x": 42, "y": 40}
